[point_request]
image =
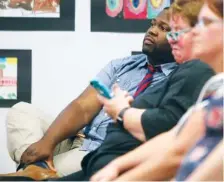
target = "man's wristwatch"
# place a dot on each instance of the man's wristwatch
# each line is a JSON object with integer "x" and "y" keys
{"x": 120, "y": 117}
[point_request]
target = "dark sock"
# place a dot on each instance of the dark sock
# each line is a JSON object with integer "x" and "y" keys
{"x": 42, "y": 164}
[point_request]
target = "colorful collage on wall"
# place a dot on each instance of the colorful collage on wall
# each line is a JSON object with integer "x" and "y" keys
{"x": 37, "y": 15}
{"x": 124, "y": 15}
{"x": 15, "y": 76}
{"x": 8, "y": 77}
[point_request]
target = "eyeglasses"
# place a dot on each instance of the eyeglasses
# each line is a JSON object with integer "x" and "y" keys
{"x": 202, "y": 23}
{"x": 175, "y": 35}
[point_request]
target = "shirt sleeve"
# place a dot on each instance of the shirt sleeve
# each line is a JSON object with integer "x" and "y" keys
{"x": 180, "y": 95}
{"x": 107, "y": 74}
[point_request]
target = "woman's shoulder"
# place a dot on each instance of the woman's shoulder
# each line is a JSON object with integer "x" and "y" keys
{"x": 215, "y": 85}
{"x": 193, "y": 70}
{"x": 217, "y": 79}
{"x": 195, "y": 66}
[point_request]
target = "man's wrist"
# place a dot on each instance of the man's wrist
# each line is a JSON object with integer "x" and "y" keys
{"x": 50, "y": 143}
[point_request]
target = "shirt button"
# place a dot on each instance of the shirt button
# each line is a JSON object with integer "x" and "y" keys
{"x": 94, "y": 128}
{"x": 118, "y": 80}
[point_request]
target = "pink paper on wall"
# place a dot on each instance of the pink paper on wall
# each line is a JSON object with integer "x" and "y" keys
{"x": 135, "y": 9}
{"x": 114, "y": 7}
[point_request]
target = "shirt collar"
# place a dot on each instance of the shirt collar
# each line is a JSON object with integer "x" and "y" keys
{"x": 166, "y": 68}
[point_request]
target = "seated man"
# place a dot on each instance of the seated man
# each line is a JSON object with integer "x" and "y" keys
{"x": 32, "y": 137}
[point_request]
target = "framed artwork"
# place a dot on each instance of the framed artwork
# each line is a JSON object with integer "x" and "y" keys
{"x": 125, "y": 15}
{"x": 37, "y": 15}
{"x": 15, "y": 76}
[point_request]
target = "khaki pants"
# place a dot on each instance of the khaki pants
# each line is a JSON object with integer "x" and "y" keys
{"x": 26, "y": 125}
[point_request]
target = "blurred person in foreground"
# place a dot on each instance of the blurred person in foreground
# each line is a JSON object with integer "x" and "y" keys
{"x": 204, "y": 161}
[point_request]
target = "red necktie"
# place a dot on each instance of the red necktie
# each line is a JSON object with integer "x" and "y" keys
{"x": 146, "y": 81}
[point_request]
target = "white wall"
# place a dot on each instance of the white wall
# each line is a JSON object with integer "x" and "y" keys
{"x": 63, "y": 64}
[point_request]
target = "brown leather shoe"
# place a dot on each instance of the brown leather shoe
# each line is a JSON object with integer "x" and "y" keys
{"x": 35, "y": 172}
